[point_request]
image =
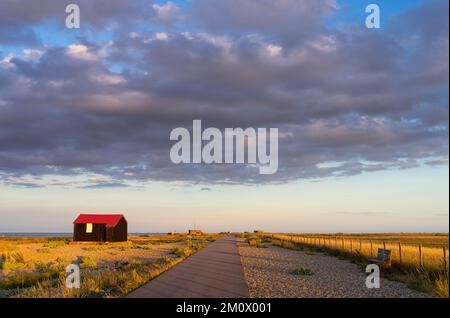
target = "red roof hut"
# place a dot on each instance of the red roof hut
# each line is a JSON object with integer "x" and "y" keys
{"x": 100, "y": 228}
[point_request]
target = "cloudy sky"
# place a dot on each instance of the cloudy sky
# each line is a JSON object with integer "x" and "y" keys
{"x": 85, "y": 114}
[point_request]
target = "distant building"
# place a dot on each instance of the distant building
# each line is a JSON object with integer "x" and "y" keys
{"x": 195, "y": 232}
{"x": 100, "y": 228}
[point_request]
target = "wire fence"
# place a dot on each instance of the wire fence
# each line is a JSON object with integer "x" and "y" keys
{"x": 434, "y": 258}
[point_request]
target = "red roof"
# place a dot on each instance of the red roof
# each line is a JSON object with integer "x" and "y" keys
{"x": 110, "y": 220}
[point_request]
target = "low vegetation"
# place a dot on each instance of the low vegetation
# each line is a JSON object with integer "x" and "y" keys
{"x": 36, "y": 267}
{"x": 302, "y": 271}
{"x": 256, "y": 242}
{"x": 430, "y": 277}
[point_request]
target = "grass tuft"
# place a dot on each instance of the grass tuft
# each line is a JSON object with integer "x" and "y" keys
{"x": 302, "y": 271}
{"x": 87, "y": 262}
{"x": 256, "y": 242}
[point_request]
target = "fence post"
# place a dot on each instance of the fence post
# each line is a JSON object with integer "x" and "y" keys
{"x": 351, "y": 246}
{"x": 384, "y": 245}
{"x": 445, "y": 260}
{"x": 371, "y": 248}
{"x": 360, "y": 246}
{"x": 420, "y": 255}
{"x": 335, "y": 242}
{"x": 343, "y": 244}
{"x": 400, "y": 251}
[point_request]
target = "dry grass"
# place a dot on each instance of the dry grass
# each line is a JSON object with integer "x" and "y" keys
{"x": 257, "y": 241}
{"x": 429, "y": 274}
{"x": 36, "y": 267}
{"x": 366, "y": 246}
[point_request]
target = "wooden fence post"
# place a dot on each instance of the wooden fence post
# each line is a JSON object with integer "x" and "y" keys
{"x": 384, "y": 245}
{"x": 343, "y": 244}
{"x": 420, "y": 255}
{"x": 360, "y": 246}
{"x": 400, "y": 252}
{"x": 445, "y": 260}
{"x": 371, "y": 248}
{"x": 351, "y": 246}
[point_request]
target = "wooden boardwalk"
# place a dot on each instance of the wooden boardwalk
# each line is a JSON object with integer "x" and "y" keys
{"x": 213, "y": 272}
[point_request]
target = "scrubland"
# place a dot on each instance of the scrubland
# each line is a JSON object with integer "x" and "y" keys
{"x": 36, "y": 267}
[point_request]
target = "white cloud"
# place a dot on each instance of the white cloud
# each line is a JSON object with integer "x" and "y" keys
{"x": 165, "y": 9}
{"x": 325, "y": 44}
{"x": 161, "y": 36}
{"x": 108, "y": 79}
{"x": 167, "y": 13}
{"x": 6, "y": 62}
{"x": 273, "y": 50}
{"x": 133, "y": 35}
{"x": 80, "y": 51}
{"x": 32, "y": 54}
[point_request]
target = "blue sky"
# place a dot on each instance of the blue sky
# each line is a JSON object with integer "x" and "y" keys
{"x": 85, "y": 115}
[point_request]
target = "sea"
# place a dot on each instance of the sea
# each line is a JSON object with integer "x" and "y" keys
{"x": 56, "y": 234}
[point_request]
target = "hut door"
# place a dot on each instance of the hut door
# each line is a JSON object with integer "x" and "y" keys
{"x": 103, "y": 233}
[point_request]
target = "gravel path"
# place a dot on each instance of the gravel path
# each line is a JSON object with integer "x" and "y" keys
{"x": 268, "y": 274}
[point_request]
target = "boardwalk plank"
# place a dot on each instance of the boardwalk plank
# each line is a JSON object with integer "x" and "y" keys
{"x": 213, "y": 272}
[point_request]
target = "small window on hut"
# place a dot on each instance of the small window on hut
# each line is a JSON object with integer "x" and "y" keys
{"x": 88, "y": 227}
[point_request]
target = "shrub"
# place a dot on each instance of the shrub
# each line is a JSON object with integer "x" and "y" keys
{"x": 2, "y": 260}
{"x": 182, "y": 252}
{"x": 17, "y": 257}
{"x": 87, "y": 262}
{"x": 441, "y": 283}
{"x": 302, "y": 271}
{"x": 14, "y": 261}
{"x": 57, "y": 243}
{"x": 20, "y": 279}
{"x": 59, "y": 265}
{"x": 256, "y": 242}
{"x": 96, "y": 248}
{"x": 164, "y": 260}
{"x": 143, "y": 247}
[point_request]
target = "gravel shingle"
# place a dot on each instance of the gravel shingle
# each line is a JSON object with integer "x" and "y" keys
{"x": 268, "y": 272}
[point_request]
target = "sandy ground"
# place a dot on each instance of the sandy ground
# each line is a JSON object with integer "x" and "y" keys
{"x": 268, "y": 272}
{"x": 100, "y": 253}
